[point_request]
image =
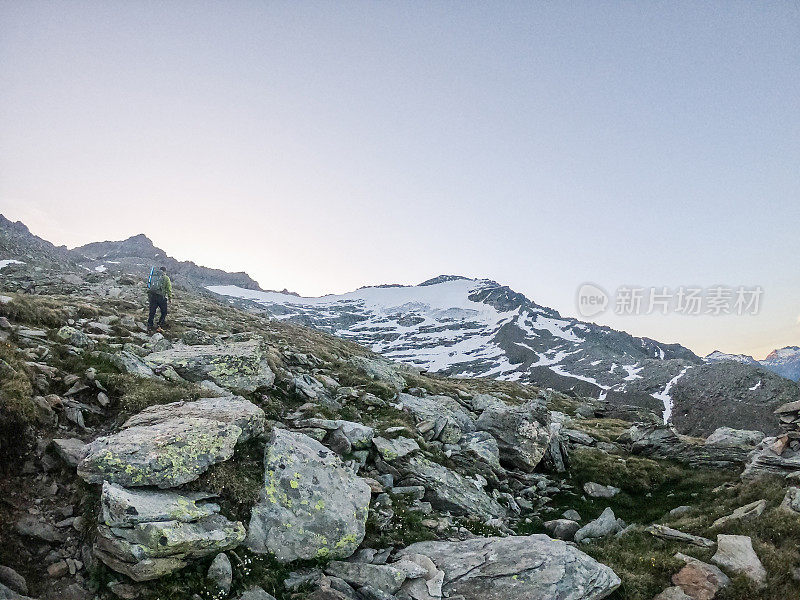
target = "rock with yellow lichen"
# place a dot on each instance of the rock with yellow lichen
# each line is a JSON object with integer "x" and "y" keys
{"x": 311, "y": 505}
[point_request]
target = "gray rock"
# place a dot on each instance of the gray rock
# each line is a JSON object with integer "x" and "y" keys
{"x": 256, "y": 593}
{"x": 237, "y": 366}
{"x": 151, "y": 550}
{"x": 443, "y": 410}
{"x": 221, "y": 573}
{"x": 603, "y": 526}
{"x": 70, "y": 450}
{"x": 665, "y": 443}
{"x": 522, "y": 432}
{"x": 39, "y": 530}
{"x": 534, "y": 567}
{"x": 385, "y": 578}
{"x": 13, "y": 580}
{"x": 128, "y": 507}
{"x": 562, "y": 529}
{"x": 6, "y": 593}
{"x": 360, "y": 436}
{"x": 791, "y": 501}
{"x": 735, "y": 553}
{"x": 484, "y": 447}
{"x": 228, "y": 409}
{"x": 668, "y": 533}
{"x": 748, "y": 511}
{"x": 128, "y": 362}
{"x": 74, "y": 337}
{"x": 311, "y": 506}
{"x": 165, "y": 455}
{"x": 572, "y": 515}
{"x": 595, "y": 490}
{"x": 772, "y": 456}
{"x": 673, "y": 593}
{"x": 396, "y": 448}
{"x": 728, "y": 437}
{"x": 449, "y": 491}
{"x": 380, "y": 370}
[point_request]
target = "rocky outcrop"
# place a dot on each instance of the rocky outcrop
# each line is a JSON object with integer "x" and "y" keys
{"x": 772, "y": 456}
{"x": 311, "y": 506}
{"x": 446, "y": 490}
{"x": 380, "y": 370}
{"x": 172, "y": 444}
{"x": 514, "y": 567}
{"x": 666, "y": 443}
{"x": 237, "y": 366}
{"x": 230, "y": 410}
{"x": 522, "y": 432}
{"x": 149, "y": 534}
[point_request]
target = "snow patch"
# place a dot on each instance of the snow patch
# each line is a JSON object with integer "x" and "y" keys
{"x": 665, "y": 396}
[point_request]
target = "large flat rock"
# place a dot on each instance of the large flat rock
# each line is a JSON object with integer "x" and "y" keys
{"x": 164, "y": 455}
{"x": 237, "y": 366}
{"x": 533, "y": 567}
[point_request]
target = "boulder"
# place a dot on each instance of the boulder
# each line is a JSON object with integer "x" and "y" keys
{"x": 772, "y": 456}
{"x": 13, "y": 580}
{"x": 562, "y": 529}
{"x": 74, "y": 337}
{"x": 728, "y": 437}
{"x": 735, "y": 553}
{"x": 482, "y": 446}
{"x": 128, "y": 362}
{"x": 395, "y": 448}
{"x": 673, "y": 593}
{"x": 446, "y": 490}
{"x": 70, "y": 450}
{"x": 596, "y": 490}
{"x": 151, "y": 550}
{"x": 123, "y": 507}
{"x": 385, "y": 578}
{"x": 699, "y": 580}
{"x": 229, "y": 409}
{"x": 379, "y": 369}
{"x": 237, "y": 366}
{"x": 221, "y": 573}
{"x": 522, "y": 432}
{"x": 791, "y": 501}
{"x": 360, "y": 436}
{"x": 311, "y": 506}
{"x": 165, "y": 455}
{"x": 450, "y": 418}
{"x": 748, "y": 511}
{"x": 603, "y": 526}
{"x": 534, "y": 567}
{"x": 668, "y": 533}
{"x": 664, "y": 442}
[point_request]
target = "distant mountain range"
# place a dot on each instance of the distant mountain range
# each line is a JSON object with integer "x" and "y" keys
{"x": 784, "y": 361}
{"x": 479, "y": 328}
{"x": 464, "y": 327}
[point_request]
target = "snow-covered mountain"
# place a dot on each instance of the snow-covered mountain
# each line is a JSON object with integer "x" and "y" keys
{"x": 718, "y": 355}
{"x": 478, "y": 328}
{"x": 784, "y": 362}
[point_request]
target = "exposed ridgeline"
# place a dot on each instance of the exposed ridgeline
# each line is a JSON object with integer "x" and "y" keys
{"x": 240, "y": 456}
{"x": 138, "y": 254}
{"x": 478, "y": 328}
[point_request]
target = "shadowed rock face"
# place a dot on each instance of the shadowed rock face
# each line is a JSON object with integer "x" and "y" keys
{"x": 534, "y": 567}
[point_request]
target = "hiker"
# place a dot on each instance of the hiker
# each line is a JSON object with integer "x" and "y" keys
{"x": 159, "y": 290}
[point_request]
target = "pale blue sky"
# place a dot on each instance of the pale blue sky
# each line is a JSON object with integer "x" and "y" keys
{"x": 322, "y": 146}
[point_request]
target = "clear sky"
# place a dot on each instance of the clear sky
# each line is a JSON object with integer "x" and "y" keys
{"x": 322, "y": 146}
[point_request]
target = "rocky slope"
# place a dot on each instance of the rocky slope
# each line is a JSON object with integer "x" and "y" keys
{"x": 468, "y": 328}
{"x": 247, "y": 457}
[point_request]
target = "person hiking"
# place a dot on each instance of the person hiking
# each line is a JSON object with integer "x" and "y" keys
{"x": 159, "y": 291}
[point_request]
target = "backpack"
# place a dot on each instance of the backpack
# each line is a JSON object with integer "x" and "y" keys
{"x": 157, "y": 282}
